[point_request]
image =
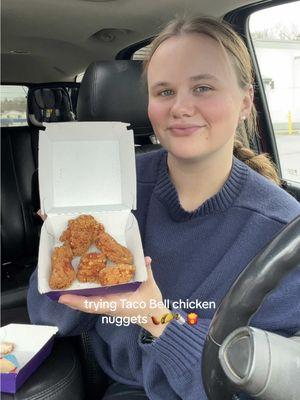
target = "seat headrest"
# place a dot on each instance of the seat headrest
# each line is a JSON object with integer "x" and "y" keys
{"x": 48, "y": 105}
{"x": 48, "y": 98}
{"x": 114, "y": 91}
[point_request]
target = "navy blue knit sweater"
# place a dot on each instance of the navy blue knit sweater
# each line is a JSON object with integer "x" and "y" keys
{"x": 196, "y": 255}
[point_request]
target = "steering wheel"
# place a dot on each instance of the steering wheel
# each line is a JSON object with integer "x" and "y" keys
{"x": 260, "y": 277}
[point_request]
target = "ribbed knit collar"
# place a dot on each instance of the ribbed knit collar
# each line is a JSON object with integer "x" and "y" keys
{"x": 166, "y": 192}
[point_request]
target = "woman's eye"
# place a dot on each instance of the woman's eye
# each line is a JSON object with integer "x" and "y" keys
{"x": 167, "y": 92}
{"x": 202, "y": 89}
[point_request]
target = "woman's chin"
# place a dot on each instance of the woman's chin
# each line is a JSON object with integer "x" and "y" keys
{"x": 184, "y": 153}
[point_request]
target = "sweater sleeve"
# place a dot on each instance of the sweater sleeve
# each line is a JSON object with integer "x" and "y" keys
{"x": 44, "y": 311}
{"x": 178, "y": 354}
{"x": 280, "y": 310}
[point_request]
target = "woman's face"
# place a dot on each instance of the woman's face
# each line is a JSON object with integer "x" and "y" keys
{"x": 195, "y": 102}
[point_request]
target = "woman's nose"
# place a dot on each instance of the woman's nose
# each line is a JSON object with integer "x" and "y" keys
{"x": 183, "y": 106}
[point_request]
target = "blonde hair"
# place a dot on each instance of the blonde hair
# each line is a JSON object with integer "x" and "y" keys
{"x": 229, "y": 40}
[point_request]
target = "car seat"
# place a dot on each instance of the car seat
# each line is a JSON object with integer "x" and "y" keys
{"x": 116, "y": 91}
{"x": 51, "y": 104}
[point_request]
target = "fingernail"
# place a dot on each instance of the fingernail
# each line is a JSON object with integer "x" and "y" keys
{"x": 60, "y": 300}
{"x": 148, "y": 260}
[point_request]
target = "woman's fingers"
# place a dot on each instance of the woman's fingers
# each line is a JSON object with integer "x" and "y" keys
{"x": 148, "y": 260}
{"x": 79, "y": 303}
{"x": 43, "y": 216}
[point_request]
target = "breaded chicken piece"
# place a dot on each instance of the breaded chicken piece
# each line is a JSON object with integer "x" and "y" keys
{"x": 90, "y": 266}
{"x": 113, "y": 250}
{"x": 62, "y": 274}
{"x": 120, "y": 273}
{"x": 84, "y": 221}
{"x": 98, "y": 230}
{"x": 79, "y": 234}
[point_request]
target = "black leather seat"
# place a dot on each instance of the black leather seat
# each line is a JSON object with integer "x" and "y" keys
{"x": 116, "y": 91}
{"x": 20, "y": 199}
{"x": 62, "y": 382}
{"x": 20, "y": 226}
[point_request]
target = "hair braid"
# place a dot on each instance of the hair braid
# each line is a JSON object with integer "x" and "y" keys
{"x": 261, "y": 163}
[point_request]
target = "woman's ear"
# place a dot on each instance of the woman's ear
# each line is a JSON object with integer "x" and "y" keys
{"x": 247, "y": 102}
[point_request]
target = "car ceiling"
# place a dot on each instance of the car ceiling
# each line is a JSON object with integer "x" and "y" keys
{"x": 58, "y": 39}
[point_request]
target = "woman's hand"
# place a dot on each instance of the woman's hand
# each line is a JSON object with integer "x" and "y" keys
{"x": 147, "y": 291}
{"x": 42, "y": 216}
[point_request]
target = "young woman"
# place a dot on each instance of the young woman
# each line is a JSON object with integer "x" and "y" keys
{"x": 206, "y": 206}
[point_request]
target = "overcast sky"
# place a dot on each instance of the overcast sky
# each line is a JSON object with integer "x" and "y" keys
{"x": 11, "y": 92}
{"x": 285, "y": 14}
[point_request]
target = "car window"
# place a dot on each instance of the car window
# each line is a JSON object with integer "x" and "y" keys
{"x": 141, "y": 54}
{"x": 13, "y": 105}
{"x": 79, "y": 77}
{"x": 275, "y": 34}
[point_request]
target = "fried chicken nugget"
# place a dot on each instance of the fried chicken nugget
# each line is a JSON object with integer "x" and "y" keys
{"x": 79, "y": 234}
{"x": 98, "y": 230}
{"x": 90, "y": 266}
{"x": 120, "y": 273}
{"x": 113, "y": 250}
{"x": 62, "y": 274}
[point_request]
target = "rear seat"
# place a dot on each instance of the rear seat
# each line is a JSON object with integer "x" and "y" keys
{"x": 48, "y": 105}
{"x": 20, "y": 224}
{"x": 19, "y": 234}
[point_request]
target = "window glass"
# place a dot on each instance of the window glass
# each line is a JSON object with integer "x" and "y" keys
{"x": 141, "y": 54}
{"x": 13, "y": 105}
{"x": 275, "y": 34}
{"x": 79, "y": 77}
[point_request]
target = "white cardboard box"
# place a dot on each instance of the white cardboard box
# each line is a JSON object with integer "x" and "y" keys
{"x": 32, "y": 344}
{"x": 88, "y": 168}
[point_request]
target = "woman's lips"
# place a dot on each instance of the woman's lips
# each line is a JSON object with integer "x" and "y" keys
{"x": 184, "y": 130}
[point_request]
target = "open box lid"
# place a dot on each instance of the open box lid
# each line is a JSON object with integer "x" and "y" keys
{"x": 86, "y": 167}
